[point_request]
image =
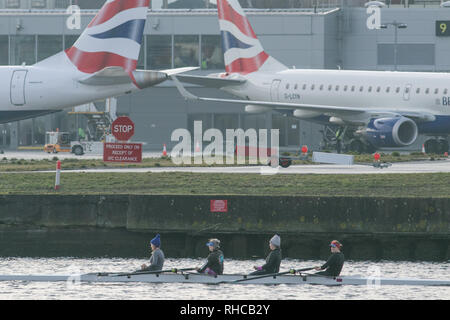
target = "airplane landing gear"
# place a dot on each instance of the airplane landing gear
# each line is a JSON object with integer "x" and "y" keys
{"x": 343, "y": 139}
{"x": 436, "y": 145}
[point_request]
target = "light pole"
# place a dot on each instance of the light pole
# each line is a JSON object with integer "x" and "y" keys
{"x": 397, "y": 25}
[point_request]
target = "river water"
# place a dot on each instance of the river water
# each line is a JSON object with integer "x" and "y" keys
{"x": 176, "y": 291}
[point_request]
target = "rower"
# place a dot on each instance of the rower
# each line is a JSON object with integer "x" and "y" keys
{"x": 157, "y": 257}
{"x": 273, "y": 260}
{"x": 214, "y": 262}
{"x": 335, "y": 262}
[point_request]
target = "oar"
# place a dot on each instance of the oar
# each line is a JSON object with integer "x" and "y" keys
{"x": 173, "y": 270}
{"x": 291, "y": 271}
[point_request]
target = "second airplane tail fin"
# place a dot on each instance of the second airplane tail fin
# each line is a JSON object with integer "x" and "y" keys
{"x": 243, "y": 53}
{"x": 112, "y": 39}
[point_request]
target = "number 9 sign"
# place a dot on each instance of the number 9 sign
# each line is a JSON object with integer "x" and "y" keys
{"x": 441, "y": 28}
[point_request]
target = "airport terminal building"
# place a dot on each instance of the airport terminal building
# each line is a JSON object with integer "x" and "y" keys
{"x": 300, "y": 34}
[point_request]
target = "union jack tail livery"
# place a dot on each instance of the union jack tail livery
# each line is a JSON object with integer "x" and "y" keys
{"x": 112, "y": 39}
{"x": 243, "y": 53}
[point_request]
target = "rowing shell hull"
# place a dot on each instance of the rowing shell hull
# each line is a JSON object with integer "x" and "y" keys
{"x": 226, "y": 279}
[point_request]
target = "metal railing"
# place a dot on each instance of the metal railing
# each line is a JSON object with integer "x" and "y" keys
{"x": 246, "y": 4}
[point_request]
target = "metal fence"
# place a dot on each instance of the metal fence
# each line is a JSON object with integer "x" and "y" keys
{"x": 207, "y": 4}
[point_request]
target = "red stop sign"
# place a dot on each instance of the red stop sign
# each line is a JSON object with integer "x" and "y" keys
{"x": 122, "y": 128}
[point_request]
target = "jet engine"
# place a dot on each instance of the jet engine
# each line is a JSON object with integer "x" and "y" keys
{"x": 391, "y": 132}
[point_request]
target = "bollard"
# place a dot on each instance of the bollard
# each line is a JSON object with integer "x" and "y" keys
{"x": 58, "y": 175}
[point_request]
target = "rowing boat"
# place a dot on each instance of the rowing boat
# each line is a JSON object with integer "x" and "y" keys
{"x": 301, "y": 279}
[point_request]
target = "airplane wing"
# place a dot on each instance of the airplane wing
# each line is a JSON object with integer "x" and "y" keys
{"x": 117, "y": 75}
{"x": 210, "y": 82}
{"x": 325, "y": 109}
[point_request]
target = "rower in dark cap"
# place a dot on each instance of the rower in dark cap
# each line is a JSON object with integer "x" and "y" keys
{"x": 157, "y": 258}
{"x": 335, "y": 262}
{"x": 214, "y": 262}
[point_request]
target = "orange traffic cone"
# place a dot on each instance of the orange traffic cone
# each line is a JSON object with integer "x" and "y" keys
{"x": 164, "y": 151}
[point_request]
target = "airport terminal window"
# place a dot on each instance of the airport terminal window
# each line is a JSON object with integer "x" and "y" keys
{"x": 4, "y": 55}
{"x": 212, "y": 56}
{"x": 254, "y": 121}
{"x": 69, "y": 40}
{"x": 48, "y": 46}
{"x": 226, "y": 121}
{"x": 159, "y": 52}
{"x": 12, "y": 4}
{"x": 186, "y": 51}
{"x": 38, "y": 4}
{"x": 141, "y": 59}
{"x": 23, "y": 50}
{"x": 62, "y": 4}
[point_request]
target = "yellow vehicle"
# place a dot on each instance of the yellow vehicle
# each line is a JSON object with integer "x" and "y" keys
{"x": 56, "y": 141}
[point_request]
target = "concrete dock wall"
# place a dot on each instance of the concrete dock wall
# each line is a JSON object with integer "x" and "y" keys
{"x": 122, "y": 225}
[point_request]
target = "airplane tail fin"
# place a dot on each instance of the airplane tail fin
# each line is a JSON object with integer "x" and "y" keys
{"x": 243, "y": 52}
{"x": 112, "y": 39}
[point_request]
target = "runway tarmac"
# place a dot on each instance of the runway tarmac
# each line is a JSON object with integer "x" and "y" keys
{"x": 403, "y": 167}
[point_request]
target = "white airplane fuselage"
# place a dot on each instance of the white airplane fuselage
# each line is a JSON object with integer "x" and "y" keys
{"x": 27, "y": 91}
{"x": 368, "y": 90}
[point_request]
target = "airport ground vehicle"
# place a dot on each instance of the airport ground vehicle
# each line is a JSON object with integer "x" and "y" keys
{"x": 56, "y": 142}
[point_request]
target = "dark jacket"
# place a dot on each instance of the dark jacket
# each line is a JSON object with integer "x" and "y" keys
{"x": 214, "y": 261}
{"x": 334, "y": 265}
{"x": 272, "y": 265}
